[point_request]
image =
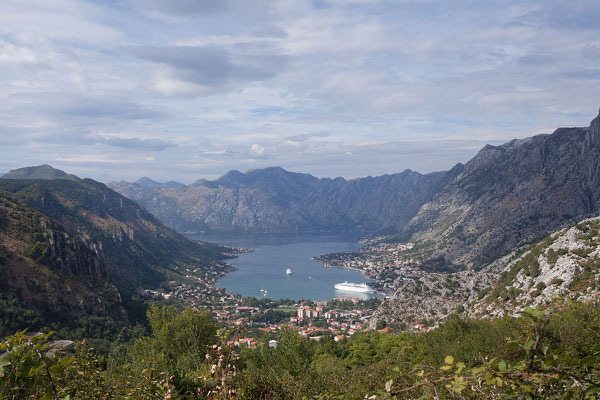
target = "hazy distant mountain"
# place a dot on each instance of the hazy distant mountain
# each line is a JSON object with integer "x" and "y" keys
{"x": 148, "y": 183}
{"x": 511, "y": 194}
{"x": 276, "y": 200}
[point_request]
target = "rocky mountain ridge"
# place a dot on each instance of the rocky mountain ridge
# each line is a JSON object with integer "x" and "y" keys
{"x": 123, "y": 232}
{"x": 511, "y": 194}
{"x": 276, "y": 200}
{"x": 504, "y": 197}
{"x": 565, "y": 265}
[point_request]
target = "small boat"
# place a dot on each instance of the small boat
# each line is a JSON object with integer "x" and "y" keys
{"x": 288, "y": 271}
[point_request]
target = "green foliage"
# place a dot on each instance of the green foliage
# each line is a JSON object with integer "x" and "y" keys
{"x": 15, "y": 316}
{"x": 180, "y": 340}
{"x": 38, "y": 248}
{"x": 541, "y": 355}
{"x": 32, "y": 369}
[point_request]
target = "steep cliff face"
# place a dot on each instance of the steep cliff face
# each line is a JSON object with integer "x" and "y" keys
{"x": 51, "y": 271}
{"x": 275, "y": 200}
{"x": 511, "y": 194}
{"x": 137, "y": 248}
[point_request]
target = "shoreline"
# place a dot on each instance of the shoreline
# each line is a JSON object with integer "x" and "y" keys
{"x": 330, "y": 293}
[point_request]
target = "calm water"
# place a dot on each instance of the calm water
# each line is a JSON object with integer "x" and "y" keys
{"x": 265, "y": 267}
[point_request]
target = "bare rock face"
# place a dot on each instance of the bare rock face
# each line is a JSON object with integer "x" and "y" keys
{"x": 432, "y": 298}
{"x": 51, "y": 271}
{"x": 565, "y": 265}
{"x": 276, "y": 200}
{"x": 510, "y": 194}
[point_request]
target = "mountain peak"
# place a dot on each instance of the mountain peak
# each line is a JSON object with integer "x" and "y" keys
{"x": 148, "y": 183}
{"x": 36, "y": 172}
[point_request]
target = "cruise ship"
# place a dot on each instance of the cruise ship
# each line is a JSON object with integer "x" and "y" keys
{"x": 354, "y": 287}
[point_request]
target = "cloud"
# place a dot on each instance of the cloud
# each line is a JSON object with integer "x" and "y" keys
{"x": 188, "y": 89}
{"x": 591, "y": 50}
{"x": 257, "y": 151}
{"x": 210, "y": 66}
{"x": 536, "y": 59}
{"x": 186, "y": 7}
{"x": 256, "y": 10}
{"x": 81, "y": 106}
{"x": 137, "y": 143}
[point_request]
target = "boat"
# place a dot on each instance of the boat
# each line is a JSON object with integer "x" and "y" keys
{"x": 288, "y": 271}
{"x": 354, "y": 287}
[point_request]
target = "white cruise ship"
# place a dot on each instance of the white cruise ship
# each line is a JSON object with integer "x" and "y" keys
{"x": 354, "y": 287}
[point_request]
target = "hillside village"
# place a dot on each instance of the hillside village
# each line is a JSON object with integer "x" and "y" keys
{"x": 340, "y": 317}
{"x": 387, "y": 264}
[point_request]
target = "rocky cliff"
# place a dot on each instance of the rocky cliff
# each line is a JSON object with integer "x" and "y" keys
{"x": 511, "y": 194}
{"x": 565, "y": 265}
{"x": 50, "y": 270}
{"x": 276, "y": 200}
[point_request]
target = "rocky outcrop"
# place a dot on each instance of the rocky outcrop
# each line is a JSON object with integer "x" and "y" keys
{"x": 276, "y": 200}
{"x": 564, "y": 265}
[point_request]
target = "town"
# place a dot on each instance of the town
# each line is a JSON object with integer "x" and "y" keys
{"x": 255, "y": 320}
{"x": 387, "y": 264}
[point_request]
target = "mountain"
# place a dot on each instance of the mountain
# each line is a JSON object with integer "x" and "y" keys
{"x": 512, "y": 194}
{"x": 148, "y": 183}
{"x": 51, "y": 271}
{"x": 565, "y": 265}
{"x": 136, "y": 245}
{"x": 38, "y": 172}
{"x": 505, "y": 197}
{"x": 276, "y": 200}
{"x": 89, "y": 236}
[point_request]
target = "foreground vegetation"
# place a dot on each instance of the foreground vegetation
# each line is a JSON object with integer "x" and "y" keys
{"x": 543, "y": 354}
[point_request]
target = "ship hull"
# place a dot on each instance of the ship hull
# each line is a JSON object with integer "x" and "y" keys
{"x": 357, "y": 288}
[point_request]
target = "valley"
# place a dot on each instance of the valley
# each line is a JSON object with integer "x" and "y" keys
{"x": 513, "y": 231}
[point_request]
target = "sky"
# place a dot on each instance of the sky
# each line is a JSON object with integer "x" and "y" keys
{"x": 189, "y": 89}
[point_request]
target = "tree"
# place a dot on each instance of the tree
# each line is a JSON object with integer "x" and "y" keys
{"x": 180, "y": 340}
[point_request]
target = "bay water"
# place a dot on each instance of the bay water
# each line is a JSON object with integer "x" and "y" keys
{"x": 264, "y": 269}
